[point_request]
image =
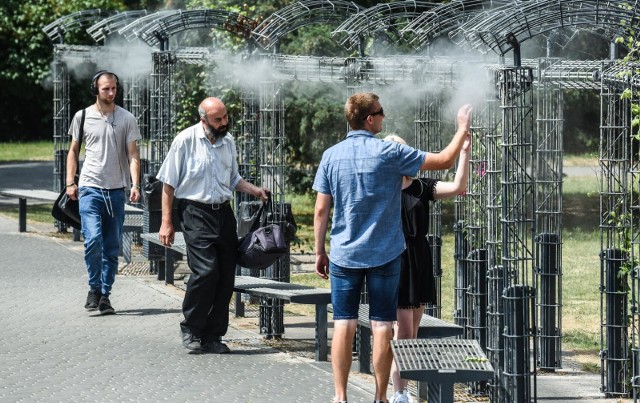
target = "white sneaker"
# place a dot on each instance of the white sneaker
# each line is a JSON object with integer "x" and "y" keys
{"x": 401, "y": 396}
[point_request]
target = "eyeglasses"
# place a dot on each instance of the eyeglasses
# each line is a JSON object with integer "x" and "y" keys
{"x": 380, "y": 112}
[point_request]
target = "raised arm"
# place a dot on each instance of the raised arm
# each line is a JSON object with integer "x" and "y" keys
{"x": 445, "y": 158}
{"x": 445, "y": 190}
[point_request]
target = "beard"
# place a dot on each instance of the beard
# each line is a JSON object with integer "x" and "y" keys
{"x": 215, "y": 133}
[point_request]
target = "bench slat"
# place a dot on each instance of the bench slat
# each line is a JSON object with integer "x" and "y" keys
{"x": 178, "y": 241}
{"x": 430, "y": 326}
{"x": 295, "y": 296}
{"x": 441, "y": 360}
{"x": 35, "y": 194}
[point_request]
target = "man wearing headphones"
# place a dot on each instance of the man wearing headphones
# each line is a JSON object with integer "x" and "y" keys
{"x": 201, "y": 170}
{"x": 111, "y": 165}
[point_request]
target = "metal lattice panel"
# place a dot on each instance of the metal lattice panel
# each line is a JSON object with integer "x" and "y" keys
{"x": 548, "y": 239}
{"x": 621, "y": 76}
{"x": 378, "y": 71}
{"x": 383, "y": 17}
{"x": 634, "y": 204}
{"x": 299, "y": 14}
{"x": 615, "y": 227}
{"x": 163, "y": 27}
{"x": 572, "y": 74}
{"x": 471, "y": 303}
{"x": 191, "y": 55}
{"x": 428, "y": 136}
{"x": 498, "y": 29}
{"x": 57, "y": 29}
{"x": 162, "y": 116}
{"x": 61, "y": 120}
{"x": 107, "y": 26}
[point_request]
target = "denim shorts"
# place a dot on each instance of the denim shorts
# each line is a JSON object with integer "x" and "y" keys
{"x": 382, "y": 287}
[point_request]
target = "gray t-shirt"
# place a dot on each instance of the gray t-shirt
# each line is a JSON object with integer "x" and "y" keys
{"x": 106, "y": 163}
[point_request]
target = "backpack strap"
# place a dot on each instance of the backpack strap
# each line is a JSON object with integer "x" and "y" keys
{"x": 81, "y": 128}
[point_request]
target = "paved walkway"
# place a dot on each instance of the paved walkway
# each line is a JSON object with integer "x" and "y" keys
{"x": 51, "y": 349}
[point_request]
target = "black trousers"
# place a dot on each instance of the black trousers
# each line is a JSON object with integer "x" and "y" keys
{"x": 212, "y": 243}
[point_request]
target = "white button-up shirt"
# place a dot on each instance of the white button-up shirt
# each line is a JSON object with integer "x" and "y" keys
{"x": 198, "y": 170}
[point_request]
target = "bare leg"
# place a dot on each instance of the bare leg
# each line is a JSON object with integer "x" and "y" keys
{"x": 382, "y": 356}
{"x": 341, "y": 355}
{"x": 404, "y": 329}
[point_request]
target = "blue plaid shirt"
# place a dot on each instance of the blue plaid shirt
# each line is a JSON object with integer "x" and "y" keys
{"x": 363, "y": 175}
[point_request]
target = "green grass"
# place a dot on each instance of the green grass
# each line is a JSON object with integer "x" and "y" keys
{"x": 574, "y": 160}
{"x": 36, "y": 213}
{"x": 27, "y": 151}
{"x": 310, "y": 279}
{"x": 302, "y": 206}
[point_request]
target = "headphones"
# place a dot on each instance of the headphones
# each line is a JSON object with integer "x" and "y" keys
{"x": 93, "y": 89}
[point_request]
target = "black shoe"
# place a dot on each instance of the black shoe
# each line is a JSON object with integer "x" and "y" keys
{"x": 215, "y": 347}
{"x": 191, "y": 342}
{"x": 92, "y": 300}
{"x": 105, "y": 307}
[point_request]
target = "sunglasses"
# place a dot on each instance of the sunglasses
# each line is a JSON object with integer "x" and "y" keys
{"x": 380, "y": 112}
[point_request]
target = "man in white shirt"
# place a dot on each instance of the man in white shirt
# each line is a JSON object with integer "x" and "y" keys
{"x": 201, "y": 170}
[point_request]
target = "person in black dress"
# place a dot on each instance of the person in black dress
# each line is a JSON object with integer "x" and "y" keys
{"x": 417, "y": 282}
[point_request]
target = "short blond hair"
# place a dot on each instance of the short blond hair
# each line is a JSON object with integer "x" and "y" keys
{"x": 358, "y": 107}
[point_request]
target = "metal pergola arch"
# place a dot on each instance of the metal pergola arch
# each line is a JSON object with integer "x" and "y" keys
{"x": 130, "y": 31}
{"x": 549, "y": 76}
{"x": 497, "y": 30}
{"x": 57, "y": 29}
{"x": 299, "y": 14}
{"x": 160, "y": 29}
{"x": 381, "y": 17}
{"x": 105, "y": 27}
{"x": 442, "y": 19}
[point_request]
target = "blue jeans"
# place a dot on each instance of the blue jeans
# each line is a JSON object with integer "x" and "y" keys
{"x": 102, "y": 214}
{"x": 382, "y": 287}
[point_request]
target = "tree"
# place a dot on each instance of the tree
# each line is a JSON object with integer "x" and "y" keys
{"x": 26, "y": 57}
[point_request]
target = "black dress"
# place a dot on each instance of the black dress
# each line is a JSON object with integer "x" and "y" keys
{"x": 417, "y": 283}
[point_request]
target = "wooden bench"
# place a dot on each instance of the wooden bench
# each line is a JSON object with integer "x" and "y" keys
{"x": 264, "y": 288}
{"x": 440, "y": 363}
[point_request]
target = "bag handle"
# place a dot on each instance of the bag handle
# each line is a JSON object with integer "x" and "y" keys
{"x": 261, "y": 215}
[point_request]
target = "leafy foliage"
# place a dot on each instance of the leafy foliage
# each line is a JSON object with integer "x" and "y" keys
{"x": 27, "y": 54}
{"x": 315, "y": 121}
{"x": 24, "y": 65}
